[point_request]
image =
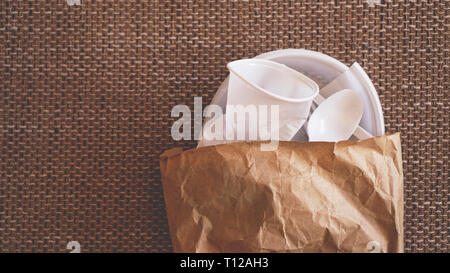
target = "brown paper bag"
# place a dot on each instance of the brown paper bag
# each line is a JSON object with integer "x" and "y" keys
{"x": 302, "y": 197}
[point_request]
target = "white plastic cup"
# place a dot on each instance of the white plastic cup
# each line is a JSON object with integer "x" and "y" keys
{"x": 263, "y": 82}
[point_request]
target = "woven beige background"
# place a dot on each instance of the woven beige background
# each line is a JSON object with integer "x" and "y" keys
{"x": 86, "y": 94}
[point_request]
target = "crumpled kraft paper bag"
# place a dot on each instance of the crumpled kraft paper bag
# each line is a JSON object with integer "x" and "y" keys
{"x": 302, "y": 197}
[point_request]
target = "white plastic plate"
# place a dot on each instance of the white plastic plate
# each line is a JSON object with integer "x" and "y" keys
{"x": 323, "y": 69}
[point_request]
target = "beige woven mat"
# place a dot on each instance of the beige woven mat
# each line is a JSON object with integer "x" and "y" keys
{"x": 86, "y": 94}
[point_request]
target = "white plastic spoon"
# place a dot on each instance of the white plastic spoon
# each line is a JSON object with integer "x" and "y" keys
{"x": 359, "y": 133}
{"x": 337, "y": 118}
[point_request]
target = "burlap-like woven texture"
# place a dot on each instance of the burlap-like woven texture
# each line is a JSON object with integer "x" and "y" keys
{"x": 86, "y": 95}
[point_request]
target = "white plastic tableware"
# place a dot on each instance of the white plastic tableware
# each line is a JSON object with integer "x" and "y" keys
{"x": 359, "y": 132}
{"x": 257, "y": 82}
{"x": 356, "y": 79}
{"x": 336, "y": 118}
{"x": 324, "y": 70}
